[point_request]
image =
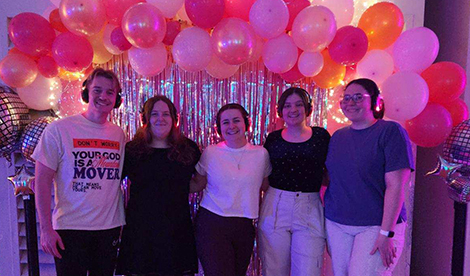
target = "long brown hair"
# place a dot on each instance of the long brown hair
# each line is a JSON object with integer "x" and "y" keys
{"x": 180, "y": 150}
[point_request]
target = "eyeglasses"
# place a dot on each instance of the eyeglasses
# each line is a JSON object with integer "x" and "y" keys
{"x": 357, "y": 98}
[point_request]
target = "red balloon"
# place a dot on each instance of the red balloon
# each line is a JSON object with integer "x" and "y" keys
{"x": 431, "y": 127}
{"x": 349, "y": 45}
{"x": 173, "y": 28}
{"x": 56, "y": 22}
{"x": 446, "y": 81}
{"x": 48, "y": 67}
{"x": 239, "y": 8}
{"x": 119, "y": 40}
{"x": 458, "y": 111}
{"x": 72, "y": 52}
{"x": 205, "y": 14}
{"x": 31, "y": 34}
{"x": 293, "y": 74}
{"x": 115, "y": 9}
{"x": 294, "y": 7}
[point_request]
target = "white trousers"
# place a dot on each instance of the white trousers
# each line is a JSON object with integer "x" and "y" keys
{"x": 350, "y": 248}
{"x": 291, "y": 233}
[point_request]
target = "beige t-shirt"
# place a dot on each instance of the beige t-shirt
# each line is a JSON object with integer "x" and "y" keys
{"x": 88, "y": 160}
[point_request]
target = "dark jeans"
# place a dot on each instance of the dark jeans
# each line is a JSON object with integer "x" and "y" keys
{"x": 224, "y": 244}
{"x": 88, "y": 251}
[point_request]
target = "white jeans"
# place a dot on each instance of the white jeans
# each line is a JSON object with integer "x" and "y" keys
{"x": 291, "y": 233}
{"x": 350, "y": 248}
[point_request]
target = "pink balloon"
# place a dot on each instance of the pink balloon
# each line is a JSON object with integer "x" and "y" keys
{"x": 192, "y": 49}
{"x": 269, "y": 18}
{"x": 70, "y": 102}
{"x": 205, "y": 14}
{"x": 72, "y": 52}
{"x": 293, "y": 75}
{"x": 144, "y": 25}
{"x": 119, "y": 40}
{"x": 115, "y": 9}
{"x": 150, "y": 61}
{"x": 349, "y": 45}
{"x": 431, "y": 127}
{"x": 280, "y": 54}
{"x": 220, "y": 70}
{"x": 415, "y": 50}
{"x": 233, "y": 41}
{"x": 173, "y": 28}
{"x": 18, "y": 70}
{"x": 257, "y": 49}
{"x": 108, "y": 29}
{"x": 83, "y": 17}
{"x": 310, "y": 63}
{"x": 169, "y": 8}
{"x": 42, "y": 94}
{"x": 342, "y": 9}
{"x": 294, "y": 7}
{"x": 314, "y": 28}
{"x": 31, "y": 34}
{"x": 377, "y": 65}
{"x": 48, "y": 67}
{"x": 405, "y": 95}
{"x": 239, "y": 8}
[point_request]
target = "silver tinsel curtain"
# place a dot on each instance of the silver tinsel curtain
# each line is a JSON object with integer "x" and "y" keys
{"x": 198, "y": 97}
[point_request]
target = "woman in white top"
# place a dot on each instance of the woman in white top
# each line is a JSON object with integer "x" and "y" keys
{"x": 231, "y": 173}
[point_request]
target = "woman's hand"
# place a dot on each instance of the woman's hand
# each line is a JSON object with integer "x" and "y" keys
{"x": 386, "y": 249}
{"x": 197, "y": 183}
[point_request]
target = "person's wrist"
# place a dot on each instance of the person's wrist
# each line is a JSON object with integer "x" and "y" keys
{"x": 388, "y": 234}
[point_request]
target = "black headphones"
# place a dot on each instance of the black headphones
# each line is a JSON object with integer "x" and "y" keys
{"x": 155, "y": 99}
{"x": 86, "y": 98}
{"x": 308, "y": 108}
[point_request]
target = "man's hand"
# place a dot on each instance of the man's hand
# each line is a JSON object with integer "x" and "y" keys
{"x": 49, "y": 241}
{"x": 386, "y": 249}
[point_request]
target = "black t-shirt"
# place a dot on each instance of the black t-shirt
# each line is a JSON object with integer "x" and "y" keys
{"x": 297, "y": 167}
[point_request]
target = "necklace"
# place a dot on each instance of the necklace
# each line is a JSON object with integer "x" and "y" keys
{"x": 239, "y": 160}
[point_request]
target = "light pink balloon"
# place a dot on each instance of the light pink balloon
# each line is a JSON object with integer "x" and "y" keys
{"x": 48, "y": 67}
{"x": 192, "y": 49}
{"x": 169, "y": 8}
{"x": 239, "y": 8}
{"x": 150, "y": 61}
{"x": 42, "y": 94}
{"x": 70, "y": 102}
{"x": 405, "y": 95}
{"x": 18, "y": 70}
{"x": 269, "y": 18}
{"x": 342, "y": 9}
{"x": 72, "y": 52}
{"x": 233, "y": 41}
{"x": 108, "y": 29}
{"x": 377, "y": 65}
{"x": 83, "y": 17}
{"x": 205, "y": 14}
{"x": 219, "y": 69}
{"x": 310, "y": 63}
{"x": 314, "y": 28}
{"x": 280, "y": 54}
{"x": 144, "y": 25}
{"x": 115, "y": 9}
{"x": 415, "y": 50}
{"x": 31, "y": 34}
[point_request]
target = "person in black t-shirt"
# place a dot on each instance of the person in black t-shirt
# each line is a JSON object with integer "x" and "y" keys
{"x": 291, "y": 226}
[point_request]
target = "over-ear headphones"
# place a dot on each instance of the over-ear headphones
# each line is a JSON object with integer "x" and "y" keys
{"x": 235, "y": 106}
{"x": 152, "y": 101}
{"x": 85, "y": 95}
{"x": 299, "y": 91}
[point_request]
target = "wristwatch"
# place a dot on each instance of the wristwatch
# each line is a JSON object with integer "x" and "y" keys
{"x": 388, "y": 234}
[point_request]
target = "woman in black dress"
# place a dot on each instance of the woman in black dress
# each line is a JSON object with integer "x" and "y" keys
{"x": 158, "y": 238}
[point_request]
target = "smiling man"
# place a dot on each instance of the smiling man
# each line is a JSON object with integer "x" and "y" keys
{"x": 83, "y": 155}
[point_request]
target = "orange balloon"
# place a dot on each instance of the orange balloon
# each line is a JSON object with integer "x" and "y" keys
{"x": 332, "y": 73}
{"x": 56, "y": 22}
{"x": 458, "y": 111}
{"x": 383, "y": 24}
{"x": 71, "y": 76}
{"x": 15, "y": 50}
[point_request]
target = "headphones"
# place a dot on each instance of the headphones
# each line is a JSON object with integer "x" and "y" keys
{"x": 235, "y": 106}
{"x": 308, "y": 108}
{"x": 85, "y": 95}
{"x": 173, "y": 111}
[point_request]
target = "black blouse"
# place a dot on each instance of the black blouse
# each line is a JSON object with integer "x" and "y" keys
{"x": 297, "y": 167}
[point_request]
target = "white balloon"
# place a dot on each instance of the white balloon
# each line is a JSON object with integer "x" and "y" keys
{"x": 219, "y": 69}
{"x": 169, "y": 8}
{"x": 148, "y": 61}
{"x": 42, "y": 94}
{"x": 310, "y": 63}
{"x": 342, "y": 9}
{"x": 376, "y": 65}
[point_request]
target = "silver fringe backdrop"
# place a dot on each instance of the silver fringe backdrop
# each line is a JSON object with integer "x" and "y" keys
{"x": 198, "y": 97}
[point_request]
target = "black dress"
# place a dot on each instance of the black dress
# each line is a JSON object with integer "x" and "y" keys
{"x": 158, "y": 236}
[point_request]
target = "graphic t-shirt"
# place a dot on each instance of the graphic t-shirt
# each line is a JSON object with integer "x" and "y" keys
{"x": 88, "y": 159}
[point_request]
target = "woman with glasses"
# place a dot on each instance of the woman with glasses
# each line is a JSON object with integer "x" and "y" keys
{"x": 291, "y": 226}
{"x": 369, "y": 164}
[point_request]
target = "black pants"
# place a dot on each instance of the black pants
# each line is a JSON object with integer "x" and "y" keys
{"x": 224, "y": 244}
{"x": 88, "y": 251}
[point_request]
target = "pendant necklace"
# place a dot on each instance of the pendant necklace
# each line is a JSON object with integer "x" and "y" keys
{"x": 239, "y": 160}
